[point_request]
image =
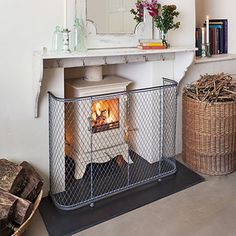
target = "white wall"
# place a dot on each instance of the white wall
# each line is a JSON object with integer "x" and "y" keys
{"x": 27, "y": 25}
{"x": 200, "y": 17}
{"x": 185, "y": 34}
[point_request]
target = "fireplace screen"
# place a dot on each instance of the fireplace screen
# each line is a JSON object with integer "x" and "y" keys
{"x": 105, "y": 115}
{"x": 102, "y": 145}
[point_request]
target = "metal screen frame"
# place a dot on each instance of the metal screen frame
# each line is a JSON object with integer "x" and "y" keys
{"x": 145, "y": 139}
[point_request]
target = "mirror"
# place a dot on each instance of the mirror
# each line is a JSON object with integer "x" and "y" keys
{"x": 112, "y": 16}
{"x": 110, "y": 24}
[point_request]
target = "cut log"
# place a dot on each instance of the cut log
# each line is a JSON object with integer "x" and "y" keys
{"x": 7, "y": 205}
{"x": 34, "y": 182}
{"x": 12, "y": 178}
{"x": 120, "y": 160}
{"x": 20, "y": 208}
{"x": 105, "y": 169}
{"x": 6, "y": 228}
{"x": 22, "y": 211}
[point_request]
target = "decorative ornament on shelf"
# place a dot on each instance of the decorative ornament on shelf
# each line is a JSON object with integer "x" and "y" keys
{"x": 203, "y": 43}
{"x": 79, "y": 36}
{"x": 57, "y": 39}
{"x": 66, "y": 40}
{"x": 163, "y": 16}
{"x": 206, "y": 43}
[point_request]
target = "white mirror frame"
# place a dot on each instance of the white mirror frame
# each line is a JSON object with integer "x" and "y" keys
{"x": 143, "y": 30}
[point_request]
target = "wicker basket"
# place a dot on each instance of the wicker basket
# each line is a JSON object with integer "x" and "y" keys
{"x": 209, "y": 136}
{"x": 19, "y": 231}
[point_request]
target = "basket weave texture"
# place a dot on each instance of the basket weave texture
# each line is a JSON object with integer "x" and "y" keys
{"x": 209, "y": 136}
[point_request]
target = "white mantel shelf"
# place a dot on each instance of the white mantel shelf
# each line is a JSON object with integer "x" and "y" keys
{"x": 113, "y": 52}
{"x": 50, "y": 60}
{"x": 108, "y": 56}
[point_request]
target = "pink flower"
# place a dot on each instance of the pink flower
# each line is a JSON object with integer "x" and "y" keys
{"x": 139, "y": 7}
{"x": 152, "y": 7}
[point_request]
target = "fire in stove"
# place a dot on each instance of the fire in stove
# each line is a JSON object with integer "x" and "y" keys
{"x": 105, "y": 115}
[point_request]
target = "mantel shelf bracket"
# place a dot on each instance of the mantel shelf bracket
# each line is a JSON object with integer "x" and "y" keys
{"x": 37, "y": 80}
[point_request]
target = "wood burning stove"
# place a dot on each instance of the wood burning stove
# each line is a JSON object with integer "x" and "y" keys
{"x": 103, "y": 116}
{"x": 113, "y": 141}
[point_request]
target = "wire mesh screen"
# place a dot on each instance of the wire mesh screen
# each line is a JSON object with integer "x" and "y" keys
{"x": 102, "y": 145}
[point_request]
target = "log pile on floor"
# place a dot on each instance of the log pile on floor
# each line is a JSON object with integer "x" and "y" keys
{"x": 19, "y": 187}
{"x": 212, "y": 89}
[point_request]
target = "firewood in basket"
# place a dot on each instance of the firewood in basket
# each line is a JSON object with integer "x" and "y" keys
{"x": 34, "y": 182}
{"x": 6, "y": 228}
{"x": 7, "y": 205}
{"x": 22, "y": 211}
{"x": 12, "y": 177}
{"x": 21, "y": 208}
{"x": 212, "y": 88}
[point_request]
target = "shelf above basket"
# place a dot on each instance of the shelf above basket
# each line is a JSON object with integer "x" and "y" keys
{"x": 215, "y": 58}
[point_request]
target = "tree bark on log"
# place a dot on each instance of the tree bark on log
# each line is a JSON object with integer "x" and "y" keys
{"x": 12, "y": 178}
{"x": 14, "y": 208}
{"x": 34, "y": 182}
{"x": 7, "y": 205}
{"x": 6, "y": 228}
{"x": 23, "y": 210}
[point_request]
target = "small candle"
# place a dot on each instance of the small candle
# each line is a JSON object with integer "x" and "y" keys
{"x": 203, "y": 35}
{"x": 65, "y": 15}
{"x": 207, "y": 30}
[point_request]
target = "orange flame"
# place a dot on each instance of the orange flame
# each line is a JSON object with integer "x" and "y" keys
{"x": 101, "y": 112}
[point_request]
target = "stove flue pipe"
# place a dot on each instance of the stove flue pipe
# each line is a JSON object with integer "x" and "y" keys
{"x": 93, "y": 73}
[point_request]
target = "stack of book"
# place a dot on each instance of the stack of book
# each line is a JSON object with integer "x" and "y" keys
{"x": 151, "y": 44}
{"x": 218, "y": 37}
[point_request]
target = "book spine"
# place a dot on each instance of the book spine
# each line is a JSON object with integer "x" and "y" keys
{"x": 224, "y": 23}
{"x": 225, "y": 36}
{"x": 216, "y": 41}
{"x": 151, "y": 47}
{"x": 196, "y": 42}
{"x": 215, "y": 26}
{"x": 151, "y": 44}
{"x": 211, "y": 41}
{"x": 221, "y": 40}
{"x": 200, "y": 41}
{"x": 149, "y": 41}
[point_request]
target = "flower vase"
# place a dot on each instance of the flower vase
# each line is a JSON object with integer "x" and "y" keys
{"x": 164, "y": 39}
